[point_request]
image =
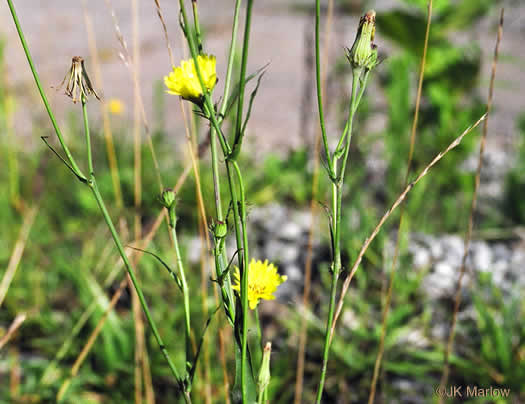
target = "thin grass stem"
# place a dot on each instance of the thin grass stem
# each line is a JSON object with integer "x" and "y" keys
{"x": 377, "y": 365}
{"x": 468, "y": 235}
{"x": 388, "y": 213}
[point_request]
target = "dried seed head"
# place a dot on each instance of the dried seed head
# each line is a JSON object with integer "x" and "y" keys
{"x": 78, "y": 85}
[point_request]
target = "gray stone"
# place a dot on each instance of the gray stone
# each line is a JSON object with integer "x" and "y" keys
{"x": 421, "y": 256}
{"x": 481, "y": 256}
{"x": 289, "y": 231}
{"x": 293, "y": 272}
{"x": 501, "y": 252}
{"x": 285, "y": 253}
{"x": 453, "y": 249}
{"x": 303, "y": 219}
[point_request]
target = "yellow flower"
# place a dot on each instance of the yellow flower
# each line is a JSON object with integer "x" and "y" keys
{"x": 115, "y": 106}
{"x": 183, "y": 80}
{"x": 263, "y": 281}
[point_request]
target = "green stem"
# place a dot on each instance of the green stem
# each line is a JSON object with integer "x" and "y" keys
{"x": 98, "y": 197}
{"x": 69, "y": 156}
{"x": 209, "y": 110}
{"x": 354, "y": 102}
{"x": 185, "y": 289}
{"x": 88, "y": 136}
{"x": 198, "y": 36}
{"x": 353, "y": 107}
{"x": 337, "y": 197}
{"x": 329, "y": 163}
{"x": 259, "y": 329}
{"x": 241, "y": 237}
{"x": 239, "y": 134}
{"x": 221, "y": 258}
{"x": 231, "y": 58}
{"x": 326, "y": 349}
{"x": 244, "y": 282}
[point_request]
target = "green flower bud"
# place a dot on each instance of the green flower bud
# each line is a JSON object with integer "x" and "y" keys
{"x": 220, "y": 229}
{"x": 263, "y": 380}
{"x": 167, "y": 198}
{"x": 362, "y": 49}
{"x": 372, "y": 60}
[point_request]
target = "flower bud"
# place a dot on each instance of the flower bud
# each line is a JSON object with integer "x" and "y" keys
{"x": 263, "y": 380}
{"x": 167, "y": 198}
{"x": 373, "y": 59}
{"x": 363, "y": 49}
{"x": 220, "y": 229}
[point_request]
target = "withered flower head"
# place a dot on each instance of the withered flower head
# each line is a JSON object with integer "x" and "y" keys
{"x": 78, "y": 82}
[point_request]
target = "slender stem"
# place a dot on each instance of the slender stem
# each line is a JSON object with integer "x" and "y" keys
{"x": 208, "y": 103}
{"x": 185, "y": 290}
{"x": 69, "y": 156}
{"x": 242, "y": 244}
{"x": 259, "y": 329}
{"x": 198, "y": 35}
{"x": 209, "y": 110}
{"x": 337, "y": 197}
{"x": 241, "y": 237}
{"x": 329, "y": 163}
{"x": 221, "y": 258}
{"x": 326, "y": 349}
{"x": 244, "y": 280}
{"x": 98, "y": 197}
{"x": 348, "y": 125}
{"x": 242, "y": 82}
{"x": 221, "y": 261}
{"x": 88, "y": 136}
{"x": 92, "y": 183}
{"x": 353, "y": 107}
{"x": 231, "y": 57}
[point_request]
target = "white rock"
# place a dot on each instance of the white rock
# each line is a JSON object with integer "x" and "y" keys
{"x": 282, "y": 252}
{"x": 289, "y": 231}
{"x": 481, "y": 256}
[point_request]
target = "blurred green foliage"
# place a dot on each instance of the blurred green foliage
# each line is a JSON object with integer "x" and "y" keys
{"x": 449, "y": 104}
{"x": 494, "y": 342}
{"x": 515, "y": 181}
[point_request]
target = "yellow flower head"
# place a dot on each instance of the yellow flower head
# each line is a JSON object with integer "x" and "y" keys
{"x": 115, "y": 106}
{"x": 183, "y": 80}
{"x": 263, "y": 281}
